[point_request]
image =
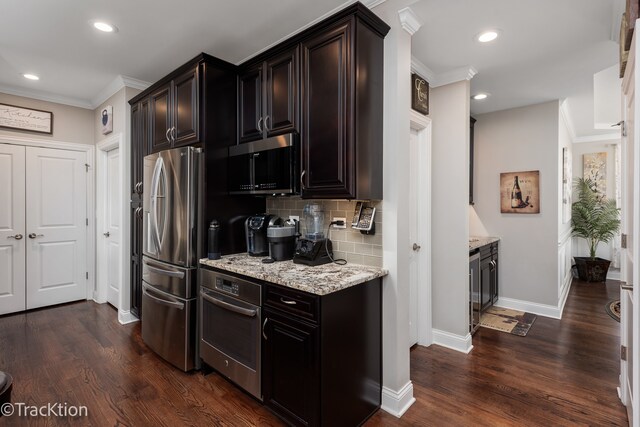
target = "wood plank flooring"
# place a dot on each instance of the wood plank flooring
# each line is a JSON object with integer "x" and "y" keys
{"x": 563, "y": 373}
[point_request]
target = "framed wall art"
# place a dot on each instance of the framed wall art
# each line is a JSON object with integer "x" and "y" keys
{"x": 520, "y": 192}
{"x": 567, "y": 178}
{"x": 106, "y": 119}
{"x": 594, "y": 167}
{"x": 419, "y": 94}
{"x": 26, "y": 119}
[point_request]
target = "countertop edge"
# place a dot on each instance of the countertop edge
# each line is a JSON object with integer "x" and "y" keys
{"x": 482, "y": 241}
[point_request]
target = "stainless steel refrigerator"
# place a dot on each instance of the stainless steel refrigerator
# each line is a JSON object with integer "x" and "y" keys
{"x": 169, "y": 263}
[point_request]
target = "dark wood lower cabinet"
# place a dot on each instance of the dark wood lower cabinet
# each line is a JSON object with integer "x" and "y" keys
{"x": 488, "y": 275}
{"x": 322, "y": 355}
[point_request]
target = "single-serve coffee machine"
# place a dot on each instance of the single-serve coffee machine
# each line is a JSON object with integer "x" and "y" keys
{"x": 256, "y": 233}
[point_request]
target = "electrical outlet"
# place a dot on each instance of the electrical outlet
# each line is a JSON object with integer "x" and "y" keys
{"x": 294, "y": 217}
{"x": 344, "y": 222}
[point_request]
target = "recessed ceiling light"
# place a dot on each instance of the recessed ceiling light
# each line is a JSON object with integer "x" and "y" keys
{"x": 30, "y": 76}
{"x": 488, "y": 36}
{"x": 480, "y": 96}
{"x": 104, "y": 26}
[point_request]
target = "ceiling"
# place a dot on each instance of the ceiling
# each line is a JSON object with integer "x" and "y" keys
{"x": 548, "y": 49}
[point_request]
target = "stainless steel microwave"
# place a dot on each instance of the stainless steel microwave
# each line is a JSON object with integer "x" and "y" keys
{"x": 268, "y": 166}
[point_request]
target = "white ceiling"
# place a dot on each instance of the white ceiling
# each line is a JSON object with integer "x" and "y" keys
{"x": 548, "y": 49}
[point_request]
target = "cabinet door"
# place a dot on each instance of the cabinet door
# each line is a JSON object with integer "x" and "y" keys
{"x": 327, "y": 140}
{"x": 494, "y": 281}
{"x": 486, "y": 273}
{"x": 160, "y": 119}
{"x": 250, "y": 105}
{"x": 136, "y": 258}
{"x": 290, "y": 368}
{"x": 281, "y": 81}
{"x": 139, "y": 145}
{"x": 186, "y": 103}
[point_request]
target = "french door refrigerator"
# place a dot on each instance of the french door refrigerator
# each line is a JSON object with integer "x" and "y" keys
{"x": 169, "y": 263}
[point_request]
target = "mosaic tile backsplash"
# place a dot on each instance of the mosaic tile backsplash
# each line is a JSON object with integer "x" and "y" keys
{"x": 348, "y": 244}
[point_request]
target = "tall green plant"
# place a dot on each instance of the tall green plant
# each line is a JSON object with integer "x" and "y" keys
{"x": 593, "y": 217}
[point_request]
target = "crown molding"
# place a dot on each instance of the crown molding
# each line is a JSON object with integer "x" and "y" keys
{"x": 598, "y": 138}
{"x": 565, "y": 114}
{"x": 409, "y": 20}
{"x": 455, "y": 75}
{"x": 424, "y": 71}
{"x": 372, "y": 3}
{"x": 115, "y": 86}
{"x": 45, "y": 96}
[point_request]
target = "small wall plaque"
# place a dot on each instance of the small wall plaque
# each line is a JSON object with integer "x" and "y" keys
{"x": 27, "y": 119}
{"x": 419, "y": 94}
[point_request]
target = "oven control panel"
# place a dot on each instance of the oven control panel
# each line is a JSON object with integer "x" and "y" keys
{"x": 227, "y": 286}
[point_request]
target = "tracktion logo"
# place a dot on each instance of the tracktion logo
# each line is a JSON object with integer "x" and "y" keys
{"x": 21, "y": 409}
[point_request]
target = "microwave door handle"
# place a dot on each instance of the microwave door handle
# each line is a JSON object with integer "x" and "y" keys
{"x": 174, "y": 304}
{"x": 230, "y": 307}
{"x": 156, "y": 268}
{"x": 252, "y": 172}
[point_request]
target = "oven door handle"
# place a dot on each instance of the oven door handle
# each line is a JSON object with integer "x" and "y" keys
{"x": 230, "y": 307}
{"x": 174, "y": 304}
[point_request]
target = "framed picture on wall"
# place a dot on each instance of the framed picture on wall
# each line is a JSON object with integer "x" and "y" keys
{"x": 106, "y": 119}
{"x": 26, "y": 119}
{"x": 567, "y": 177}
{"x": 520, "y": 192}
{"x": 594, "y": 167}
{"x": 419, "y": 94}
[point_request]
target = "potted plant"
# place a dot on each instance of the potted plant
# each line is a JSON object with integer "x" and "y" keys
{"x": 596, "y": 219}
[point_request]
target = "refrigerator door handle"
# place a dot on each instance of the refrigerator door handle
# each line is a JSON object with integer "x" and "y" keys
{"x": 160, "y": 269}
{"x": 175, "y": 304}
{"x": 153, "y": 217}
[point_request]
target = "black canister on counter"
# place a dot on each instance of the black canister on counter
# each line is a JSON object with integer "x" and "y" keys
{"x": 214, "y": 240}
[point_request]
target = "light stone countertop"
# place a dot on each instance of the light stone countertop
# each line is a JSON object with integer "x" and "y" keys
{"x": 476, "y": 242}
{"x": 318, "y": 280}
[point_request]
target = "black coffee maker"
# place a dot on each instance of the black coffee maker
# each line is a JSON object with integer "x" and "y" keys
{"x": 256, "y": 233}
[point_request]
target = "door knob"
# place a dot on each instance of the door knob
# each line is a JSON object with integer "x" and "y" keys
{"x": 107, "y": 234}
{"x": 34, "y": 235}
{"x": 416, "y": 247}
{"x": 17, "y": 237}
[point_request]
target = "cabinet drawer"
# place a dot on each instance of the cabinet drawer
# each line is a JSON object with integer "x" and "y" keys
{"x": 291, "y": 301}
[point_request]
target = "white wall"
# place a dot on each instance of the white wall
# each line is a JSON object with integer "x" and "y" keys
{"x": 449, "y": 108}
{"x": 580, "y": 247}
{"x": 70, "y": 124}
{"x": 565, "y": 243}
{"x": 520, "y": 139}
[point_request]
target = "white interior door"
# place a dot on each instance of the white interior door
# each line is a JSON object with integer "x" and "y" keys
{"x": 56, "y": 191}
{"x": 414, "y": 233}
{"x": 12, "y": 229}
{"x": 111, "y": 235}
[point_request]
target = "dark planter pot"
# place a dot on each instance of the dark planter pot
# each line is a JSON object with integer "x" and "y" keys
{"x": 592, "y": 270}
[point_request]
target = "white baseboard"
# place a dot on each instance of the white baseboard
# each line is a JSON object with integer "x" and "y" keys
{"x": 397, "y": 402}
{"x": 454, "y": 342}
{"x": 613, "y": 275}
{"x": 98, "y": 298}
{"x": 125, "y": 317}
{"x": 545, "y": 310}
{"x": 565, "y": 293}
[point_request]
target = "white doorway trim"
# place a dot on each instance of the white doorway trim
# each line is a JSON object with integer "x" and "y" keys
{"x": 91, "y": 203}
{"x": 111, "y": 143}
{"x": 422, "y": 125}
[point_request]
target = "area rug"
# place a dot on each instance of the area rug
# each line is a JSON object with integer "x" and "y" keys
{"x": 613, "y": 309}
{"x": 506, "y": 320}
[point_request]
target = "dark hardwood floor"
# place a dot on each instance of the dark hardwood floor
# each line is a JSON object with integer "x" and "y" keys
{"x": 563, "y": 373}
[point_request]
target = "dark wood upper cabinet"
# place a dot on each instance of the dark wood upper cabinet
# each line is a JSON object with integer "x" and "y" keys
{"x": 326, "y": 92}
{"x": 175, "y": 112}
{"x": 472, "y": 123}
{"x": 160, "y": 125}
{"x": 268, "y": 97}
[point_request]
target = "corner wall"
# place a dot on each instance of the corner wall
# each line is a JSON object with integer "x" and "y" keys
{"x": 521, "y": 139}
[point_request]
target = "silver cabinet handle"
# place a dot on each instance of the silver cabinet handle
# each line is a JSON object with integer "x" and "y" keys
{"x": 17, "y": 237}
{"x": 287, "y": 301}
{"x": 138, "y": 188}
{"x": 302, "y": 179}
{"x": 167, "y": 134}
{"x": 107, "y": 234}
{"x": 34, "y": 235}
{"x": 138, "y": 213}
{"x": 266, "y": 119}
{"x": 260, "y": 125}
{"x": 264, "y": 325}
{"x": 173, "y": 134}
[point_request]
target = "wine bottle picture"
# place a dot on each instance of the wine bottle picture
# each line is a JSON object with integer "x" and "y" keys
{"x": 520, "y": 192}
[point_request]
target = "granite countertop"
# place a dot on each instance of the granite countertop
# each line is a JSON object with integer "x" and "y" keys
{"x": 318, "y": 280}
{"x": 476, "y": 242}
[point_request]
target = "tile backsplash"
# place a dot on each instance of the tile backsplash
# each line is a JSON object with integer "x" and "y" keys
{"x": 348, "y": 244}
